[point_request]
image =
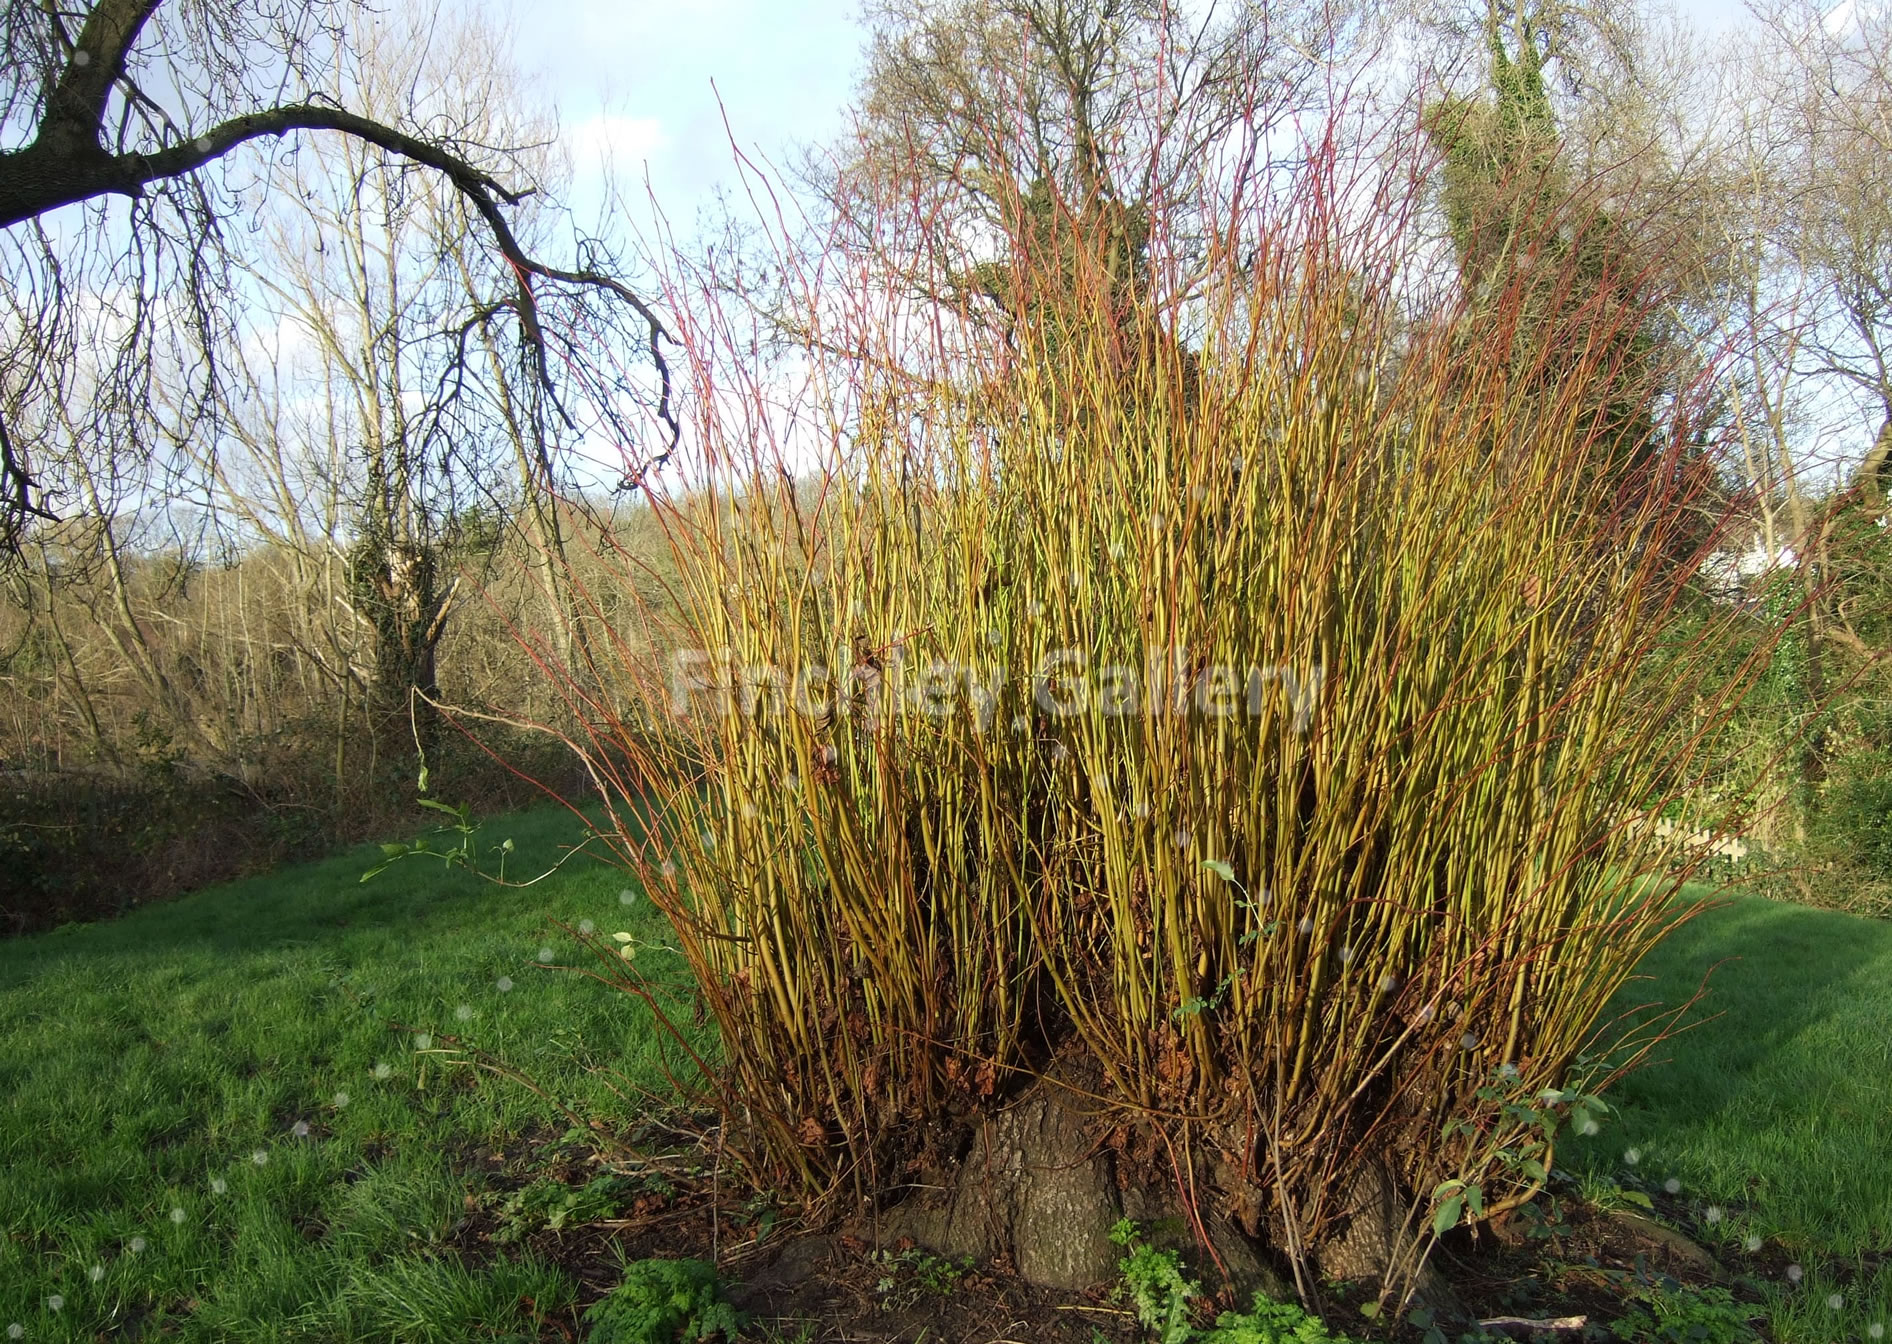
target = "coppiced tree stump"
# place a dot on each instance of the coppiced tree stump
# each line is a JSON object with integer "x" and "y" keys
{"x": 1039, "y": 1188}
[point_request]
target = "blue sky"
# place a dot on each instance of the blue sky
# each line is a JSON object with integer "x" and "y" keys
{"x": 644, "y": 78}
{"x": 651, "y": 83}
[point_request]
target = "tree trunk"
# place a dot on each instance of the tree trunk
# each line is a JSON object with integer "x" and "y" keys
{"x": 1038, "y": 1188}
{"x": 1372, "y": 1241}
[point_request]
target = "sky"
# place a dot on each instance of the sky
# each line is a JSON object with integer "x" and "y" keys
{"x": 663, "y": 89}
{"x": 651, "y": 83}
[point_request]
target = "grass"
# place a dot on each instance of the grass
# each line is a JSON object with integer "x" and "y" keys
{"x": 160, "y": 1072}
{"x": 147, "y": 1062}
{"x": 1773, "y": 1109}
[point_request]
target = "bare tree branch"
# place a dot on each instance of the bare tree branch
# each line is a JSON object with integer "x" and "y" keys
{"x": 99, "y": 135}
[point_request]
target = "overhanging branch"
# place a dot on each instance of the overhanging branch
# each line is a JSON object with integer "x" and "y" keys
{"x": 67, "y": 164}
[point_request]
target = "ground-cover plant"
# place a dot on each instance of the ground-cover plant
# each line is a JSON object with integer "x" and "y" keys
{"x": 911, "y": 1276}
{"x": 1270, "y": 1322}
{"x": 1225, "y": 696}
{"x": 1155, "y": 1287}
{"x": 663, "y": 1302}
{"x": 1164, "y": 1299}
{"x": 1666, "y": 1315}
{"x": 236, "y": 1116}
{"x": 548, "y": 1205}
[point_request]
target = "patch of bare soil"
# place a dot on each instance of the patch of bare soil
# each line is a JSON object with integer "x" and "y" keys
{"x": 1555, "y": 1261}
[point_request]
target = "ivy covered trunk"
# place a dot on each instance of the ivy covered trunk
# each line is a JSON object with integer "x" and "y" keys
{"x": 395, "y": 583}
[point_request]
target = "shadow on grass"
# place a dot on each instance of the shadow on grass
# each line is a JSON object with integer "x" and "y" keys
{"x": 1773, "y": 1097}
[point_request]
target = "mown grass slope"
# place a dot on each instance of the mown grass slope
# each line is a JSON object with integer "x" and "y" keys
{"x": 220, "y": 1118}
{"x": 1772, "y": 1113}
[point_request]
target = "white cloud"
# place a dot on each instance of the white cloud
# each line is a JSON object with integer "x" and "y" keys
{"x": 610, "y": 138}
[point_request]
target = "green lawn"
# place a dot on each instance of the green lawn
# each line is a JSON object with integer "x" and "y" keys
{"x": 212, "y": 1124}
{"x": 1774, "y": 1112}
{"x": 158, "y": 1072}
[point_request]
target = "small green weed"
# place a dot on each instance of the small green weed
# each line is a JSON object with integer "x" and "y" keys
{"x": 907, "y": 1277}
{"x": 1671, "y": 1314}
{"x": 1606, "y": 1195}
{"x": 1270, "y": 1322}
{"x": 1154, "y": 1284}
{"x": 1547, "y": 1219}
{"x": 1161, "y": 1296}
{"x": 1527, "y": 1124}
{"x": 663, "y": 1302}
{"x": 549, "y": 1205}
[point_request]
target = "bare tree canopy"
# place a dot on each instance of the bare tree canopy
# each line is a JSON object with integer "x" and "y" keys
{"x": 978, "y": 112}
{"x": 121, "y": 109}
